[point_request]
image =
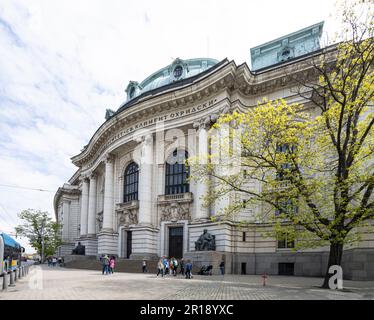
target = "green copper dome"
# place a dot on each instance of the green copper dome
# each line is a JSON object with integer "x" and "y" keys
{"x": 178, "y": 70}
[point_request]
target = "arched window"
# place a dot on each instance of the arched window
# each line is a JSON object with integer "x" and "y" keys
{"x": 131, "y": 182}
{"x": 177, "y": 173}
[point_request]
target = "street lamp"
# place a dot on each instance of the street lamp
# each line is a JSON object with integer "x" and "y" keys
{"x": 42, "y": 236}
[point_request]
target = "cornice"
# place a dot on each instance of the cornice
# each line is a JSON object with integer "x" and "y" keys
{"x": 228, "y": 77}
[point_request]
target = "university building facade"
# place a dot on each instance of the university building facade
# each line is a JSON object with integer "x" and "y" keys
{"x": 131, "y": 196}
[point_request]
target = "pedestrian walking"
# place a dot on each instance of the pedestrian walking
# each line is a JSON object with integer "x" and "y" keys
{"x": 188, "y": 269}
{"x": 174, "y": 264}
{"x": 112, "y": 264}
{"x": 144, "y": 266}
{"x": 105, "y": 264}
{"x": 160, "y": 268}
{"x": 181, "y": 266}
{"x": 222, "y": 267}
{"x": 54, "y": 261}
{"x": 166, "y": 265}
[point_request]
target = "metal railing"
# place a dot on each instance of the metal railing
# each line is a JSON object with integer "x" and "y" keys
{"x": 10, "y": 278}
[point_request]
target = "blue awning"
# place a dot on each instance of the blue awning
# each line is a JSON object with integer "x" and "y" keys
{"x": 9, "y": 241}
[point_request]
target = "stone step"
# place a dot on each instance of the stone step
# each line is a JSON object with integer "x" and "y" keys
{"x": 122, "y": 265}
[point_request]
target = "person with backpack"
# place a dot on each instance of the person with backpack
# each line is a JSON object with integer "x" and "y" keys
{"x": 174, "y": 263}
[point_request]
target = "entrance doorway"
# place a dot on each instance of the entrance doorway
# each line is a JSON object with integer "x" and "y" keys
{"x": 176, "y": 242}
{"x": 128, "y": 244}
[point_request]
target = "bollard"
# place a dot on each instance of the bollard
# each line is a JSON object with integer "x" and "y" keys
{"x": 5, "y": 281}
{"x": 11, "y": 282}
{"x": 16, "y": 274}
{"x": 264, "y": 277}
{"x": 21, "y": 272}
{"x": 27, "y": 269}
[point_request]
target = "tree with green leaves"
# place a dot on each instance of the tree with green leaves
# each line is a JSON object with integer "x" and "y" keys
{"x": 42, "y": 232}
{"x": 311, "y": 165}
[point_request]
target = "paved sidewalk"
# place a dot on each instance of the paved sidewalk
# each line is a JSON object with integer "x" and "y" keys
{"x": 72, "y": 284}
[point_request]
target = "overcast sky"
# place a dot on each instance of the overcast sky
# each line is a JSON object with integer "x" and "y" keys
{"x": 62, "y": 63}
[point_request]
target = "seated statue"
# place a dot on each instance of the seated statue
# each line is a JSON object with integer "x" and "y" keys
{"x": 205, "y": 242}
{"x": 79, "y": 249}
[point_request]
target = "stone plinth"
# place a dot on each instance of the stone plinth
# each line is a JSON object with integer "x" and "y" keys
{"x": 76, "y": 257}
{"x": 200, "y": 258}
{"x": 107, "y": 243}
{"x": 90, "y": 243}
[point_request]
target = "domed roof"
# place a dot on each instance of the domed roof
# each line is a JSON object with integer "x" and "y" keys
{"x": 178, "y": 70}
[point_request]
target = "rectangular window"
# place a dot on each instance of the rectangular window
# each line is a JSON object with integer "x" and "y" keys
{"x": 244, "y": 236}
{"x": 284, "y": 243}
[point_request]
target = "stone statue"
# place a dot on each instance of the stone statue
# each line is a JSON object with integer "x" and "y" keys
{"x": 206, "y": 242}
{"x": 79, "y": 249}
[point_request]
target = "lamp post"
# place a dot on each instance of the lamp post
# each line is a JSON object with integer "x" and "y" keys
{"x": 42, "y": 238}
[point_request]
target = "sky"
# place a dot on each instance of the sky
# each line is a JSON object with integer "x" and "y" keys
{"x": 63, "y": 63}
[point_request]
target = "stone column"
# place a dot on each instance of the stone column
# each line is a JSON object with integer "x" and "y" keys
{"x": 91, "y": 228}
{"x": 108, "y": 194}
{"x": 144, "y": 234}
{"x": 107, "y": 238}
{"x": 145, "y": 181}
{"x": 84, "y": 207}
{"x": 65, "y": 224}
{"x": 201, "y": 186}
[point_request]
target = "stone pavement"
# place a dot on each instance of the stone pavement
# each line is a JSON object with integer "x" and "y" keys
{"x": 72, "y": 284}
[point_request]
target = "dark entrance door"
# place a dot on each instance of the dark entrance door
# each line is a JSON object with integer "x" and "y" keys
{"x": 128, "y": 243}
{"x": 176, "y": 242}
{"x": 286, "y": 269}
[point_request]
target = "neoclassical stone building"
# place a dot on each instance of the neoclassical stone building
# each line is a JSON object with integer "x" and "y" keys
{"x": 131, "y": 197}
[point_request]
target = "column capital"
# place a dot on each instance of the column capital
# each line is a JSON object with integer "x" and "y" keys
{"x": 84, "y": 178}
{"x": 93, "y": 176}
{"x": 146, "y": 139}
{"x": 203, "y": 124}
{"x": 109, "y": 158}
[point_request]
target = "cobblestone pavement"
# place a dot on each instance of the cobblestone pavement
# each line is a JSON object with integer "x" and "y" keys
{"x": 59, "y": 283}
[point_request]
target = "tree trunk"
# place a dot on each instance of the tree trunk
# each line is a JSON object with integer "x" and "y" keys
{"x": 335, "y": 258}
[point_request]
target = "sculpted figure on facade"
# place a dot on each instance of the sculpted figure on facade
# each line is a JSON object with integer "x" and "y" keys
{"x": 127, "y": 217}
{"x": 175, "y": 211}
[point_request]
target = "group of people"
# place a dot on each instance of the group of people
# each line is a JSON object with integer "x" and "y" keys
{"x": 165, "y": 266}
{"x": 108, "y": 264}
{"x": 53, "y": 261}
{"x": 170, "y": 266}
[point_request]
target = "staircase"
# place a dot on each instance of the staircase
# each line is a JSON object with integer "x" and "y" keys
{"x": 122, "y": 265}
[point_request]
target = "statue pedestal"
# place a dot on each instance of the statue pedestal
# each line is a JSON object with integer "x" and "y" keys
{"x": 200, "y": 258}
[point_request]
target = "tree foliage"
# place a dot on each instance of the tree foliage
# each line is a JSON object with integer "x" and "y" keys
{"x": 36, "y": 225}
{"x": 311, "y": 166}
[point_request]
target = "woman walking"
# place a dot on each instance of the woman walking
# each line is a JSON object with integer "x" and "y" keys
{"x": 112, "y": 264}
{"x": 160, "y": 268}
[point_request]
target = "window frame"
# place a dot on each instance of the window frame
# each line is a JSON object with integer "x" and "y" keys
{"x": 131, "y": 182}
{"x": 177, "y": 174}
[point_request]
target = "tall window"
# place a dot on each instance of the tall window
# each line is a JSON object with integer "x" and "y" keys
{"x": 177, "y": 173}
{"x": 131, "y": 181}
